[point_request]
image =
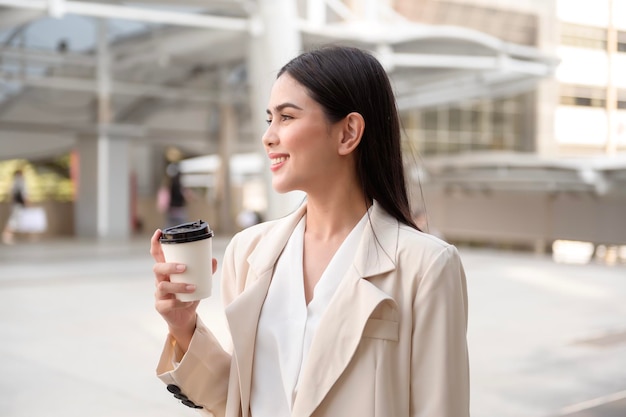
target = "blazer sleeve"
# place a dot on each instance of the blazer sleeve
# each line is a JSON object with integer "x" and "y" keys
{"x": 202, "y": 373}
{"x": 439, "y": 357}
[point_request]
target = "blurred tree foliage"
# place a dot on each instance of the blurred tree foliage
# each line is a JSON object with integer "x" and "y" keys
{"x": 46, "y": 179}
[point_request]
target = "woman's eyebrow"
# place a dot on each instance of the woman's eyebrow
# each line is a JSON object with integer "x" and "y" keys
{"x": 283, "y": 106}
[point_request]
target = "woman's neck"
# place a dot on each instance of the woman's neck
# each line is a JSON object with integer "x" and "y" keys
{"x": 335, "y": 214}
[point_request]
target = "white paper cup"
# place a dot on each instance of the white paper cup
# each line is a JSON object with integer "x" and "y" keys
{"x": 190, "y": 244}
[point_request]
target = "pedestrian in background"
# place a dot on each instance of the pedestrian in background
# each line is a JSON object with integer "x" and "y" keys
{"x": 172, "y": 197}
{"x": 344, "y": 307}
{"x": 18, "y": 203}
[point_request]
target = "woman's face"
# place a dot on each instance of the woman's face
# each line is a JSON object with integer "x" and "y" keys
{"x": 300, "y": 142}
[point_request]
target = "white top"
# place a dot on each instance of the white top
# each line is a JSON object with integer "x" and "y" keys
{"x": 287, "y": 325}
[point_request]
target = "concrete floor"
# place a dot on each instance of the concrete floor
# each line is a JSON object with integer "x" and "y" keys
{"x": 80, "y": 336}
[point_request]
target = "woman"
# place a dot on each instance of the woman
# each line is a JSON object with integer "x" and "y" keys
{"x": 343, "y": 308}
{"x": 18, "y": 202}
{"x": 177, "y": 201}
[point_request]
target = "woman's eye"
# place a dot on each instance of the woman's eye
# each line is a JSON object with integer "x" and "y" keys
{"x": 283, "y": 118}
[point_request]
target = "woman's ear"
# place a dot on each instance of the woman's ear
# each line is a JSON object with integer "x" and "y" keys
{"x": 352, "y": 132}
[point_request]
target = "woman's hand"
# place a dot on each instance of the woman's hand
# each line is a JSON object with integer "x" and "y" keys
{"x": 179, "y": 315}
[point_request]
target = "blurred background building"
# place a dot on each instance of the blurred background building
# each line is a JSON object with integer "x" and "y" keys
{"x": 514, "y": 112}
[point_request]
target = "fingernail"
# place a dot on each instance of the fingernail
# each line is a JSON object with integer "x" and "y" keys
{"x": 180, "y": 267}
{"x": 190, "y": 287}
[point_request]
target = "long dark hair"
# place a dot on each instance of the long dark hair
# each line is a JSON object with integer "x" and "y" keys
{"x": 344, "y": 80}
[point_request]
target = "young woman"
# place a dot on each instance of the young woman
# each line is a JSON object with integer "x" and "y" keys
{"x": 343, "y": 308}
{"x": 18, "y": 202}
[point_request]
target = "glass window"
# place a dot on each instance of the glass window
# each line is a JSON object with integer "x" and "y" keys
{"x": 621, "y": 41}
{"x": 454, "y": 120}
{"x": 473, "y": 120}
{"x": 621, "y": 99}
{"x": 474, "y": 126}
{"x": 583, "y": 36}
{"x": 430, "y": 120}
{"x": 585, "y": 96}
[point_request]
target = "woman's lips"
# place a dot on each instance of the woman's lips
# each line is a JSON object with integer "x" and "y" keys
{"x": 277, "y": 161}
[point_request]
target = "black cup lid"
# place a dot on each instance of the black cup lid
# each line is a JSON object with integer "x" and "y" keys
{"x": 186, "y": 232}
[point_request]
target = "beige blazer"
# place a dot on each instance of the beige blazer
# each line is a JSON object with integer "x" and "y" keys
{"x": 392, "y": 342}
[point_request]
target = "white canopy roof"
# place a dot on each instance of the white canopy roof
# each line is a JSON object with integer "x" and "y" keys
{"x": 484, "y": 172}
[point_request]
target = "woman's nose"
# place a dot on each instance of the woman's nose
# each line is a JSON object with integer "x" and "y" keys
{"x": 269, "y": 137}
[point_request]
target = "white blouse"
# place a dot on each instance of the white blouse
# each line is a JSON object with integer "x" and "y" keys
{"x": 287, "y": 325}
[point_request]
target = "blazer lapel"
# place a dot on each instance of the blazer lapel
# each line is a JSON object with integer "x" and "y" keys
{"x": 340, "y": 329}
{"x": 244, "y": 311}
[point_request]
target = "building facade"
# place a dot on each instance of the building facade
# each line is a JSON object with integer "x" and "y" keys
{"x": 591, "y": 113}
{"x": 581, "y": 111}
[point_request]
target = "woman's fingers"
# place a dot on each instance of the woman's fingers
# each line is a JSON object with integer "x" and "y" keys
{"x": 214, "y": 264}
{"x": 155, "y": 247}
{"x": 167, "y": 289}
{"x": 167, "y": 269}
{"x": 170, "y": 304}
{"x": 163, "y": 270}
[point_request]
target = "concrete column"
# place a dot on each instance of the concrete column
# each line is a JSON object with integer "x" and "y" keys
{"x": 103, "y": 206}
{"x": 113, "y": 185}
{"x": 274, "y": 42}
{"x": 611, "y": 90}
{"x": 114, "y": 217}
{"x": 227, "y": 139}
{"x": 547, "y": 94}
{"x": 86, "y": 208}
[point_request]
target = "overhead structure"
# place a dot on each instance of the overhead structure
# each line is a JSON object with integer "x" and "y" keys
{"x": 506, "y": 171}
{"x": 430, "y": 65}
{"x": 156, "y": 73}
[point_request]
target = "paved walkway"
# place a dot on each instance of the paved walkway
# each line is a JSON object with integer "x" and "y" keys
{"x": 80, "y": 336}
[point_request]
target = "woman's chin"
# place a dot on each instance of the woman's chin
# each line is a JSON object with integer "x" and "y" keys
{"x": 283, "y": 188}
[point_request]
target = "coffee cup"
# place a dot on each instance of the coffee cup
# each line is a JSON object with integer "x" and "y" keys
{"x": 190, "y": 244}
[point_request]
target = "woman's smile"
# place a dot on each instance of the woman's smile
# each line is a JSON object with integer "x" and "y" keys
{"x": 277, "y": 161}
